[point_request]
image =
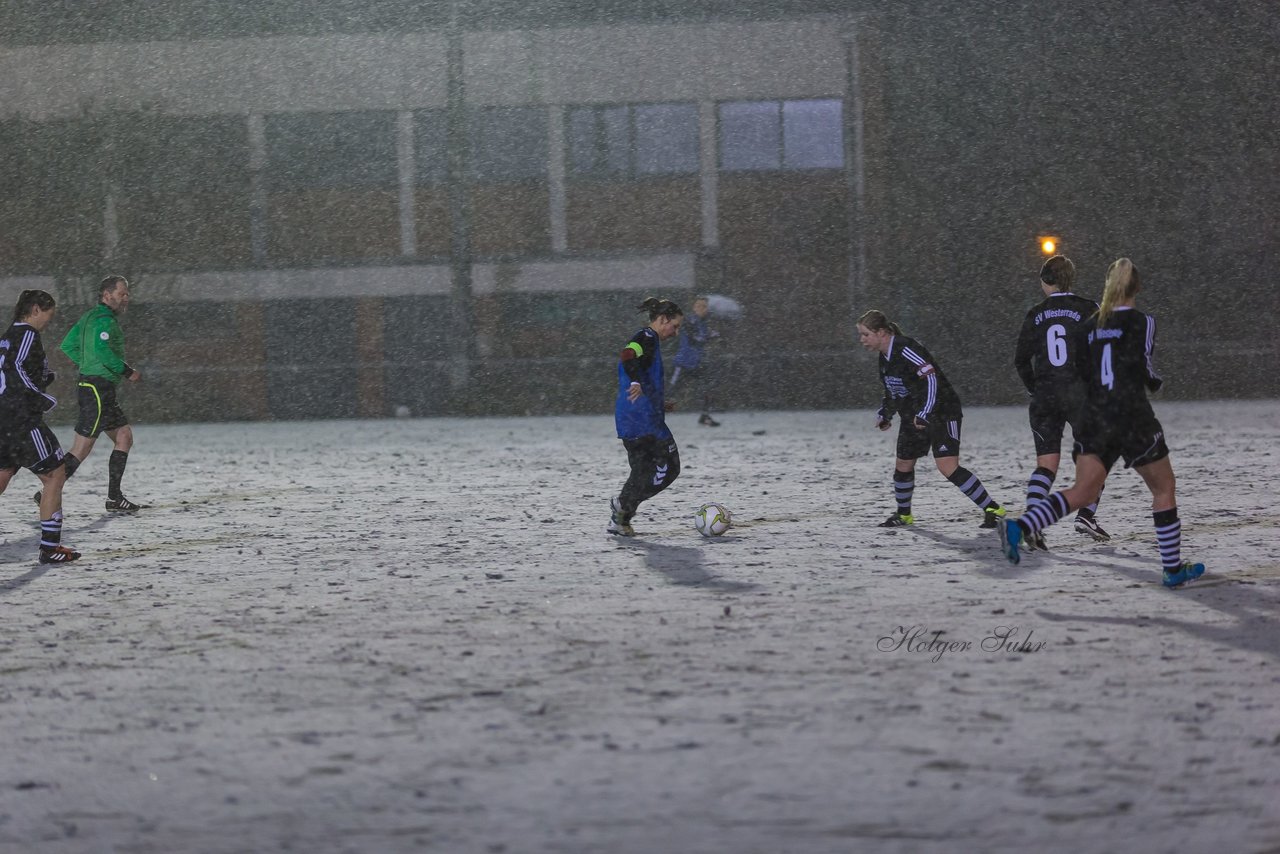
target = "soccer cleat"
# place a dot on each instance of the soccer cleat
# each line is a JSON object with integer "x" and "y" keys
{"x": 615, "y": 510}
{"x": 1010, "y": 537}
{"x": 1186, "y": 572}
{"x": 1089, "y": 525}
{"x": 897, "y": 520}
{"x": 706, "y": 420}
{"x": 619, "y": 522}
{"x": 991, "y": 517}
{"x": 124, "y": 505}
{"x": 39, "y": 495}
{"x": 1035, "y": 541}
{"x": 58, "y": 554}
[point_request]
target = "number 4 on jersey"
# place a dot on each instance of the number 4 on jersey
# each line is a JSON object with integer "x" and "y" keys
{"x": 1108, "y": 376}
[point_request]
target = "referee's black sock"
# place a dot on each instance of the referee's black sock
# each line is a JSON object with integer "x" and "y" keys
{"x": 115, "y": 473}
{"x": 70, "y": 463}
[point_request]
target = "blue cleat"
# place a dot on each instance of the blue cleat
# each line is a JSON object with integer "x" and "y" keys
{"x": 1186, "y": 572}
{"x": 1010, "y": 537}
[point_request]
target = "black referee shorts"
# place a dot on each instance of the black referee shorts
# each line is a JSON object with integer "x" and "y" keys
{"x": 99, "y": 410}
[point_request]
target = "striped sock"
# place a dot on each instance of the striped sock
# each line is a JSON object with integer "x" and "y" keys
{"x": 969, "y": 484}
{"x": 904, "y": 486}
{"x": 1169, "y": 538}
{"x": 1042, "y": 515}
{"x": 51, "y": 531}
{"x": 1040, "y": 484}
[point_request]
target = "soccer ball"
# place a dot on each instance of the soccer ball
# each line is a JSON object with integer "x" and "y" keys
{"x": 712, "y": 520}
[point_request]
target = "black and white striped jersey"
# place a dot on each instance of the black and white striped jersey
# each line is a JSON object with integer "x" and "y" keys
{"x": 1118, "y": 366}
{"x": 24, "y": 375}
{"x": 914, "y": 385}
{"x": 1049, "y": 344}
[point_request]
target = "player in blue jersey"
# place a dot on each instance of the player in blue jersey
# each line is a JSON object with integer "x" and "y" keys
{"x": 640, "y": 415}
{"x": 1118, "y": 371}
{"x": 929, "y": 418}
{"x": 694, "y": 374}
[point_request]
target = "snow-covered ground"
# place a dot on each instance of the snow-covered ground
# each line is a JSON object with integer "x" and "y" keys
{"x": 404, "y": 635}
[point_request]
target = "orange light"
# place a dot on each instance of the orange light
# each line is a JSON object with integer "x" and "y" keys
{"x": 1049, "y": 245}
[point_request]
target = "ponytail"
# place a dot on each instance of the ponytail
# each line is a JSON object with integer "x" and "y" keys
{"x": 29, "y": 301}
{"x": 874, "y": 320}
{"x": 1122, "y": 285}
{"x": 660, "y": 308}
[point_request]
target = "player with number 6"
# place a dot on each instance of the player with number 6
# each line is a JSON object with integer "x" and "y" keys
{"x": 1048, "y": 347}
{"x": 1118, "y": 370}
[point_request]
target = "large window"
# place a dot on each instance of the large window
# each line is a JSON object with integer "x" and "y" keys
{"x": 182, "y": 154}
{"x": 627, "y": 141}
{"x": 508, "y": 144}
{"x": 430, "y": 147}
{"x": 769, "y": 135}
{"x": 52, "y": 199}
{"x": 333, "y": 183}
{"x": 182, "y": 190}
{"x": 599, "y": 140}
{"x": 312, "y": 151}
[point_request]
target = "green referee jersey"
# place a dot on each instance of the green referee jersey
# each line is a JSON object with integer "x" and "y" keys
{"x": 96, "y": 344}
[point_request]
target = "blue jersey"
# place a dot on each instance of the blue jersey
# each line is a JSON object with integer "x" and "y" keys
{"x": 694, "y": 335}
{"x": 641, "y": 362}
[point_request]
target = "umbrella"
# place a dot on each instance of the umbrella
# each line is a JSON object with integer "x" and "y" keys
{"x": 723, "y": 306}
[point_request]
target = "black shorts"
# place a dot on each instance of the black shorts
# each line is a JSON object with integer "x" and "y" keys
{"x": 1049, "y": 417}
{"x": 1139, "y": 441}
{"x": 99, "y": 410}
{"x": 942, "y": 437}
{"x": 33, "y": 446}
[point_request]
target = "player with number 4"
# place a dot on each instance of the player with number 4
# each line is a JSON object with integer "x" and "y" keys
{"x": 1046, "y": 355}
{"x": 1118, "y": 370}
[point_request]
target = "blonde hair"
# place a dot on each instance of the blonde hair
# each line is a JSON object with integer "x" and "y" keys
{"x": 1123, "y": 284}
{"x": 874, "y": 320}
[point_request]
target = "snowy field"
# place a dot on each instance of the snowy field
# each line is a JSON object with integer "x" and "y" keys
{"x": 414, "y": 635}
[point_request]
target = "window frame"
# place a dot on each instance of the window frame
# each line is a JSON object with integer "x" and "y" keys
{"x": 601, "y": 154}
{"x": 781, "y": 135}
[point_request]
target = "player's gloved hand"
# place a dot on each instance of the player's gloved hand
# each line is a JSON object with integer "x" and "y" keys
{"x": 883, "y": 419}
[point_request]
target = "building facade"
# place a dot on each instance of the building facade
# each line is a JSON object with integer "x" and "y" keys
{"x": 446, "y": 221}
